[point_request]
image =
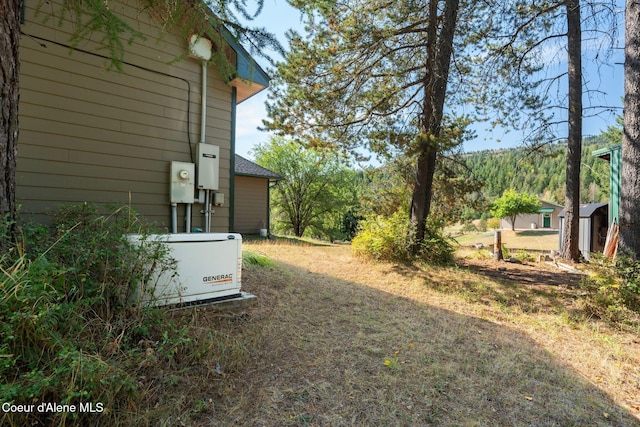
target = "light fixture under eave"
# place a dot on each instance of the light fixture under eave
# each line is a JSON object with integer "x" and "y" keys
{"x": 200, "y": 48}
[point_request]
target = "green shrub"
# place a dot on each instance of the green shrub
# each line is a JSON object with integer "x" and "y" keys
{"x": 614, "y": 290}
{"x": 469, "y": 227}
{"x": 524, "y": 256}
{"x": 64, "y": 326}
{"x": 436, "y": 247}
{"x": 350, "y": 223}
{"x": 391, "y": 239}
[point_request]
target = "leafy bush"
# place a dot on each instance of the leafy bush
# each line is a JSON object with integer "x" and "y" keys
{"x": 384, "y": 239}
{"x": 469, "y": 227}
{"x": 493, "y": 223}
{"x": 391, "y": 239}
{"x": 614, "y": 290}
{"x": 525, "y": 256}
{"x": 64, "y": 326}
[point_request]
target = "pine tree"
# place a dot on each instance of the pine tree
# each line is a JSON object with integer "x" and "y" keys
{"x": 379, "y": 75}
{"x": 9, "y": 96}
{"x": 630, "y": 189}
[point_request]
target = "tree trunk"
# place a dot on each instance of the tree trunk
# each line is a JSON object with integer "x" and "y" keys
{"x": 423, "y": 192}
{"x": 630, "y": 190}
{"x": 571, "y": 231}
{"x": 9, "y": 96}
{"x": 436, "y": 76}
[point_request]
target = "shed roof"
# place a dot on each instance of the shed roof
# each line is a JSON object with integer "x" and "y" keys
{"x": 586, "y": 210}
{"x": 547, "y": 203}
{"x": 246, "y": 167}
{"x": 605, "y": 153}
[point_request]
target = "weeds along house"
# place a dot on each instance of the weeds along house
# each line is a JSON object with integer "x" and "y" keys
{"x": 89, "y": 134}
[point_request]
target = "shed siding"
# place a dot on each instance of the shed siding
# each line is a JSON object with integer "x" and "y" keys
{"x": 94, "y": 135}
{"x": 251, "y": 204}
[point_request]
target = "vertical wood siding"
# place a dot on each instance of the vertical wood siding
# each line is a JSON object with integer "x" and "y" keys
{"x": 89, "y": 134}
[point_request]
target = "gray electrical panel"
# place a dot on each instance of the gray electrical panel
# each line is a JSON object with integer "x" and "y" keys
{"x": 208, "y": 166}
{"x": 182, "y": 182}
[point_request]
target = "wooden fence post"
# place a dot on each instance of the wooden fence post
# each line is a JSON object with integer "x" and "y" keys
{"x": 497, "y": 246}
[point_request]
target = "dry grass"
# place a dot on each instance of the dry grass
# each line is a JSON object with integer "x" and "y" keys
{"x": 337, "y": 341}
{"x": 538, "y": 240}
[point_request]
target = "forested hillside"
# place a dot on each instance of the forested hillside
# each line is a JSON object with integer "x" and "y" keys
{"x": 541, "y": 172}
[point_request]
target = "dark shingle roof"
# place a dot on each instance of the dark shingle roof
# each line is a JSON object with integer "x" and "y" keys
{"x": 586, "y": 210}
{"x": 248, "y": 168}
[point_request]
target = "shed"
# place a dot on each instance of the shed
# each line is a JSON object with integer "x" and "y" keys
{"x": 251, "y": 203}
{"x": 594, "y": 220}
{"x": 613, "y": 155}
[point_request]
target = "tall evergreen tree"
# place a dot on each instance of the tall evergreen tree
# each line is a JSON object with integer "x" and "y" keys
{"x": 9, "y": 96}
{"x": 379, "y": 75}
{"x": 630, "y": 190}
{"x": 569, "y": 247}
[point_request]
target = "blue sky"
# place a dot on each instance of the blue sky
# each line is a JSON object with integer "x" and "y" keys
{"x": 605, "y": 82}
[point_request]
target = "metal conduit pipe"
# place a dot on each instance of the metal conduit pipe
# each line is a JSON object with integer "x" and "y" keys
{"x": 174, "y": 218}
{"x": 207, "y": 218}
{"x": 203, "y": 131}
{"x": 203, "y": 112}
{"x": 187, "y": 218}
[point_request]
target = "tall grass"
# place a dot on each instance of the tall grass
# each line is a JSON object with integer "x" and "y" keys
{"x": 67, "y": 334}
{"x": 613, "y": 291}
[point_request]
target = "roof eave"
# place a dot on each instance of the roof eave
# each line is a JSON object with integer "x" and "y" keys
{"x": 250, "y": 78}
{"x": 605, "y": 153}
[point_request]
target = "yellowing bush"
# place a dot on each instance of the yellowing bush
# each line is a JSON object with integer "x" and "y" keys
{"x": 392, "y": 239}
{"x": 383, "y": 239}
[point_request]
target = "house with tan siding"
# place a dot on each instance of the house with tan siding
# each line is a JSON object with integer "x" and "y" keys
{"x": 251, "y": 207}
{"x": 90, "y": 134}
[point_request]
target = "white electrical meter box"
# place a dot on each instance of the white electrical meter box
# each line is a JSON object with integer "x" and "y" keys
{"x": 208, "y": 269}
{"x": 208, "y": 166}
{"x": 182, "y": 182}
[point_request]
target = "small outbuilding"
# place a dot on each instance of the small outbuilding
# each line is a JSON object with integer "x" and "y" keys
{"x": 594, "y": 220}
{"x": 613, "y": 155}
{"x": 251, "y": 202}
{"x": 546, "y": 217}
